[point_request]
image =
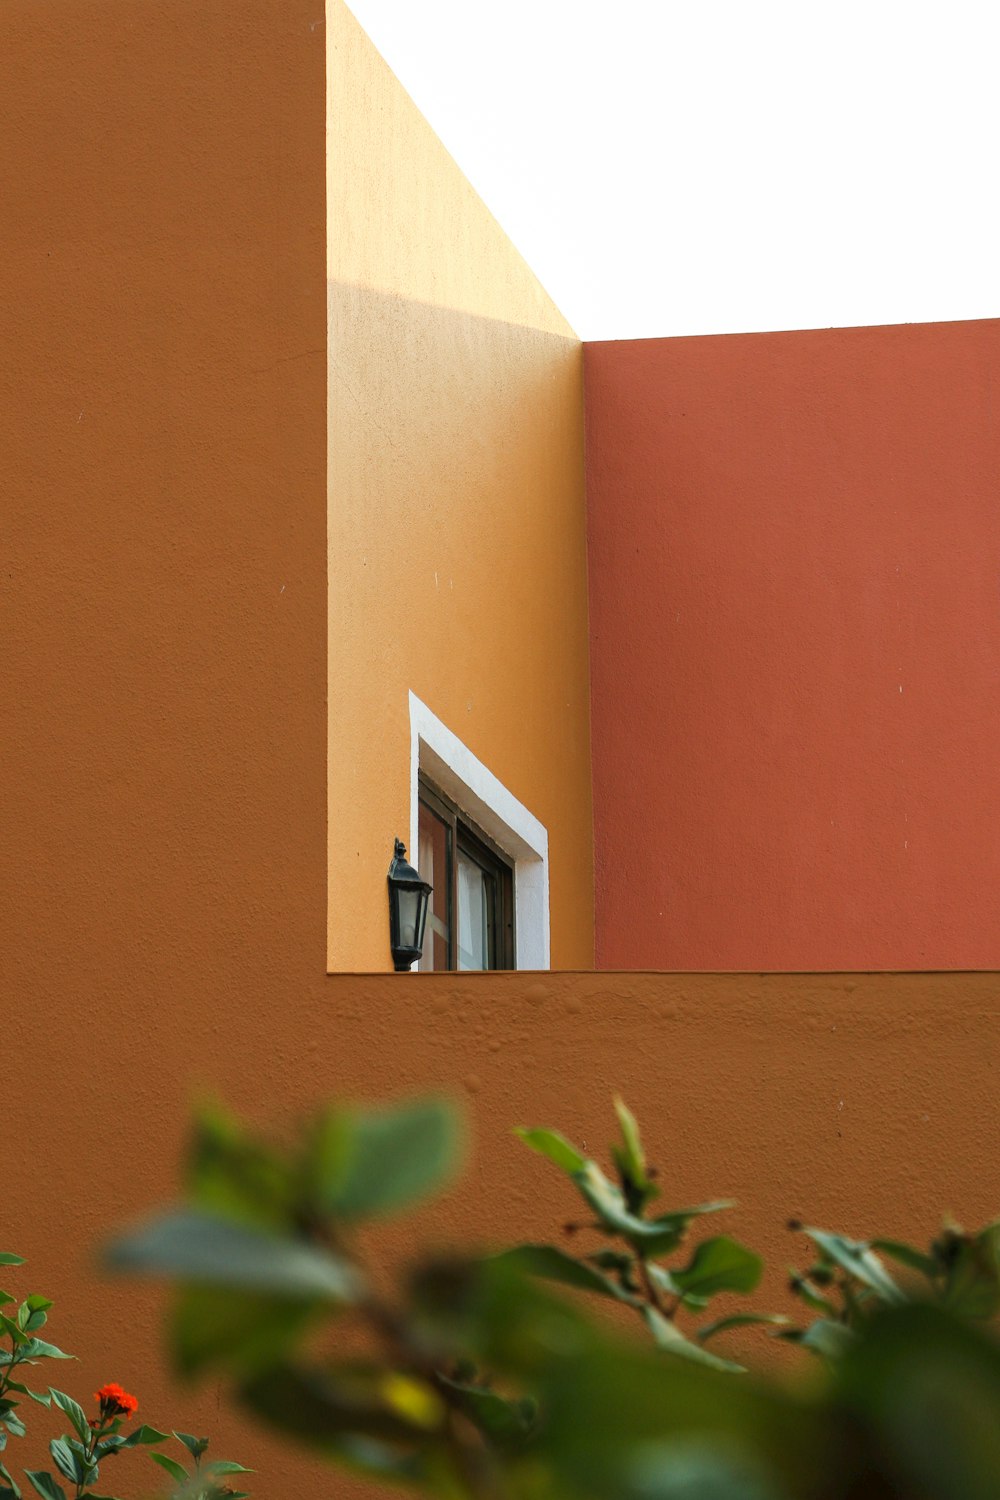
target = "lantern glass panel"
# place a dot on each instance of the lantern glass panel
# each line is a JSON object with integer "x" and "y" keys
{"x": 409, "y": 912}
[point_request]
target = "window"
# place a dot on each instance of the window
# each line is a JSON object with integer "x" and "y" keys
{"x": 470, "y": 920}
{"x": 487, "y": 807}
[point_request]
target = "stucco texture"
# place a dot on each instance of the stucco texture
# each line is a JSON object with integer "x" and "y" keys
{"x": 162, "y": 609}
{"x": 457, "y": 522}
{"x": 795, "y": 644}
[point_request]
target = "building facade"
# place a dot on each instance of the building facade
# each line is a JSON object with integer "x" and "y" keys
{"x": 709, "y": 684}
{"x": 253, "y": 312}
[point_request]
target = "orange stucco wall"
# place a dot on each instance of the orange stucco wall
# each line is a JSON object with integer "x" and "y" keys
{"x": 162, "y": 610}
{"x": 457, "y": 520}
{"x": 795, "y": 641}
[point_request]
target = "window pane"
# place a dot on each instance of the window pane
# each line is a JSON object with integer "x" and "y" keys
{"x": 434, "y": 864}
{"x": 476, "y": 906}
{"x": 435, "y": 954}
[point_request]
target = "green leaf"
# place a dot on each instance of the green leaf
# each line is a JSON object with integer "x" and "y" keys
{"x": 43, "y": 1400}
{"x": 142, "y": 1436}
{"x": 738, "y": 1320}
{"x": 6, "y": 1259}
{"x": 174, "y": 1469}
{"x": 608, "y": 1203}
{"x": 927, "y": 1386}
{"x": 669, "y": 1337}
{"x": 857, "y": 1258}
{"x": 37, "y": 1315}
{"x": 32, "y": 1313}
{"x": 495, "y": 1316}
{"x": 205, "y": 1249}
{"x": 692, "y": 1468}
{"x": 972, "y": 1289}
{"x": 368, "y": 1163}
{"x": 828, "y": 1339}
{"x": 720, "y": 1265}
{"x": 908, "y": 1256}
{"x": 631, "y": 1139}
{"x": 342, "y": 1416}
{"x": 630, "y": 1160}
{"x": 555, "y": 1265}
{"x": 11, "y": 1420}
{"x": 226, "y": 1466}
{"x": 683, "y": 1216}
{"x": 71, "y": 1465}
{"x": 15, "y": 1331}
{"x": 811, "y": 1294}
{"x": 242, "y": 1331}
{"x": 45, "y": 1484}
{"x": 651, "y": 1236}
{"x": 39, "y": 1349}
{"x": 507, "y": 1424}
{"x": 196, "y": 1446}
{"x": 553, "y": 1145}
{"x": 622, "y": 1261}
{"x": 74, "y": 1411}
{"x": 664, "y": 1280}
{"x": 606, "y": 1415}
{"x": 234, "y": 1174}
{"x": 11, "y": 1481}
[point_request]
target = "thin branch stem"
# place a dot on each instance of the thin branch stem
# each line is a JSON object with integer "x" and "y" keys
{"x": 667, "y": 1310}
{"x": 465, "y": 1443}
{"x": 649, "y": 1286}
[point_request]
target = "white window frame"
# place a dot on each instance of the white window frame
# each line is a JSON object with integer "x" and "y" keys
{"x": 449, "y": 764}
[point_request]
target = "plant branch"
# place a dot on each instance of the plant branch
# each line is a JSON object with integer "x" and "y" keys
{"x": 667, "y": 1309}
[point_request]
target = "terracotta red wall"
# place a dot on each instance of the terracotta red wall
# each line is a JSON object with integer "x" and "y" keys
{"x": 795, "y": 647}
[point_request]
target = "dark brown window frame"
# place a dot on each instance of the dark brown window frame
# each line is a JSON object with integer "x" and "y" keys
{"x": 474, "y": 842}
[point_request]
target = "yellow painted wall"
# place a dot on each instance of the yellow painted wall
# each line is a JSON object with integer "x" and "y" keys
{"x": 457, "y": 528}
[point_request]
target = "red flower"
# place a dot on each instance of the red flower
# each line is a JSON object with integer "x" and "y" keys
{"x": 115, "y": 1402}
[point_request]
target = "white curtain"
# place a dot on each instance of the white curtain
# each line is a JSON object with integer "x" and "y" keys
{"x": 472, "y": 946}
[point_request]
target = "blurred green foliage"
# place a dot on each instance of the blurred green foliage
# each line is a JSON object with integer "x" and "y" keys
{"x": 488, "y": 1378}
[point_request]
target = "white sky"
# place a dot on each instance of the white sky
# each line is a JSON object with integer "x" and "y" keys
{"x": 714, "y": 166}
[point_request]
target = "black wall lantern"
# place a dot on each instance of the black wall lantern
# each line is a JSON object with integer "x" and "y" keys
{"x": 408, "y": 897}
